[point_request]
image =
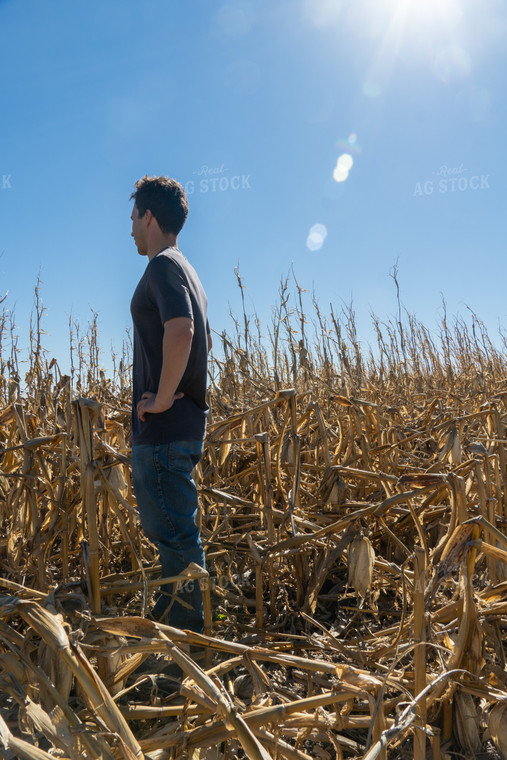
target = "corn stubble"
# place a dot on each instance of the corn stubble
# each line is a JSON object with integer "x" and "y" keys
{"x": 353, "y": 511}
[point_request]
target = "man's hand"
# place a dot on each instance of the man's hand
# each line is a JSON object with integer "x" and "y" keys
{"x": 150, "y": 405}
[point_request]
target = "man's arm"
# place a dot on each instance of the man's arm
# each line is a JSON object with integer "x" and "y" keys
{"x": 177, "y": 341}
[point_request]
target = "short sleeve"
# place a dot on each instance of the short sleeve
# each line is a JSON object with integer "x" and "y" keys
{"x": 169, "y": 289}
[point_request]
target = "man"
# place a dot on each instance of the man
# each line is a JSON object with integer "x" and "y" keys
{"x": 171, "y": 344}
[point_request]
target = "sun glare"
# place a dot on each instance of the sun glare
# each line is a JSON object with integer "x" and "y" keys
{"x": 440, "y": 22}
{"x": 431, "y": 7}
{"x": 373, "y": 18}
{"x": 439, "y": 17}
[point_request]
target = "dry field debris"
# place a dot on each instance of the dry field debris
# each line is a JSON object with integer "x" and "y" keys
{"x": 353, "y": 511}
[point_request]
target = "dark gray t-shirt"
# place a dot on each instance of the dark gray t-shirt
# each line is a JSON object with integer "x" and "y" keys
{"x": 169, "y": 288}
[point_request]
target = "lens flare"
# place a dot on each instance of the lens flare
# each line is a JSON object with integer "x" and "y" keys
{"x": 452, "y": 64}
{"x": 235, "y": 19}
{"x": 350, "y": 145}
{"x": 343, "y": 167}
{"x": 372, "y": 89}
{"x": 346, "y": 161}
{"x": 340, "y": 174}
{"x": 316, "y": 237}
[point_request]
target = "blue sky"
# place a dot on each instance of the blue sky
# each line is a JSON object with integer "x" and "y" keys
{"x": 250, "y": 104}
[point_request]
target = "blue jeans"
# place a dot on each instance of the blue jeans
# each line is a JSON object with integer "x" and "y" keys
{"x": 167, "y": 501}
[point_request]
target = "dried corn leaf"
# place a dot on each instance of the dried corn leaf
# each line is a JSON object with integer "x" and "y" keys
{"x": 497, "y": 725}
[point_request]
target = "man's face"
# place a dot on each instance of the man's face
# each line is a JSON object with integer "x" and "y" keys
{"x": 139, "y": 231}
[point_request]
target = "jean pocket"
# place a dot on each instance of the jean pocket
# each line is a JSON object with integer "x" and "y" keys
{"x": 184, "y": 455}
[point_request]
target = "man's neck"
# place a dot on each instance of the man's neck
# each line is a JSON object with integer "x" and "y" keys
{"x": 159, "y": 243}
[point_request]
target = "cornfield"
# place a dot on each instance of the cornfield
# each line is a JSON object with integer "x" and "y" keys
{"x": 353, "y": 513}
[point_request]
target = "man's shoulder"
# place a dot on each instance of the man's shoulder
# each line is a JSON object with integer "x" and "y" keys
{"x": 165, "y": 266}
{"x": 167, "y": 257}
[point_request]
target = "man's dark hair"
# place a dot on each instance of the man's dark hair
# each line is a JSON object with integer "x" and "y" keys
{"x": 166, "y": 200}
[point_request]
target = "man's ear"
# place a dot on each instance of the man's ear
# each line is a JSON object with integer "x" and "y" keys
{"x": 148, "y": 216}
